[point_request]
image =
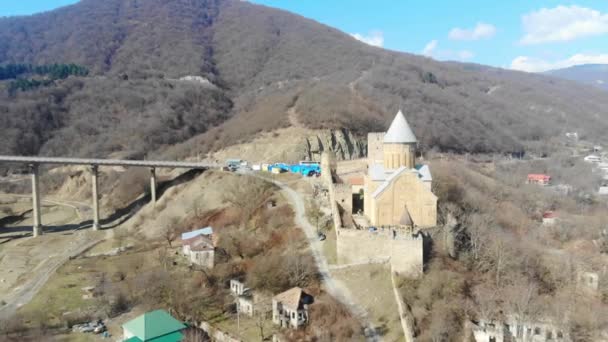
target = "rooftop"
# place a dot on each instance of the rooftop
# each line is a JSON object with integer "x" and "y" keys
{"x": 195, "y": 233}
{"x": 400, "y": 132}
{"x": 157, "y": 325}
{"x": 290, "y": 298}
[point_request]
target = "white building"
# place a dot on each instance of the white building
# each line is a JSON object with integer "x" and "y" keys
{"x": 593, "y": 159}
{"x": 248, "y": 301}
{"x": 513, "y": 330}
{"x": 199, "y": 247}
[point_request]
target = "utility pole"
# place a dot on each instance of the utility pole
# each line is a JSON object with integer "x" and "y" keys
{"x": 238, "y": 316}
{"x": 37, "y": 229}
{"x": 95, "y": 192}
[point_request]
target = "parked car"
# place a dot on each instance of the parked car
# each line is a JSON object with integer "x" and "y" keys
{"x": 321, "y": 236}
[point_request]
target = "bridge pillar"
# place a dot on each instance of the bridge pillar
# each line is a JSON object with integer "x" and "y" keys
{"x": 37, "y": 228}
{"x": 153, "y": 185}
{"x": 95, "y": 182}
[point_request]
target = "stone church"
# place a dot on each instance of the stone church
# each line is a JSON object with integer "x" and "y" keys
{"x": 397, "y": 191}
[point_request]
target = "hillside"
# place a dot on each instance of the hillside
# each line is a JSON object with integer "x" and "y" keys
{"x": 262, "y": 64}
{"x": 592, "y": 74}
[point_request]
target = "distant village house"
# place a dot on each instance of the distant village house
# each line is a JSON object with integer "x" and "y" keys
{"x": 199, "y": 246}
{"x": 290, "y": 308}
{"x": 549, "y": 218}
{"x": 540, "y": 179}
{"x": 513, "y": 330}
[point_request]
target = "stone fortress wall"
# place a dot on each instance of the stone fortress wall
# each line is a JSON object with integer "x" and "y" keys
{"x": 375, "y": 144}
{"x": 401, "y": 249}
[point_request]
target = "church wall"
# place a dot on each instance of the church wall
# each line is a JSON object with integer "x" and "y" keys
{"x": 398, "y": 155}
{"x": 408, "y": 191}
{"x": 369, "y": 203}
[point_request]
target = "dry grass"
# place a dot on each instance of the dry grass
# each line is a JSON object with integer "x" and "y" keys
{"x": 371, "y": 286}
{"x": 330, "y": 250}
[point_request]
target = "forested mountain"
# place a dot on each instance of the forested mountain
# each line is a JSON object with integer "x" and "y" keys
{"x": 260, "y": 62}
{"x": 592, "y": 74}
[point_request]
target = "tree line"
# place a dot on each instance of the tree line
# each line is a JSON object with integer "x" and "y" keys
{"x": 51, "y": 72}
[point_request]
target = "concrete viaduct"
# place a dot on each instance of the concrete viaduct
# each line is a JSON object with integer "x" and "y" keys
{"x": 94, "y": 164}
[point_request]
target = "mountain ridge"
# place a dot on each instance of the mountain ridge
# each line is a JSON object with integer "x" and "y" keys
{"x": 265, "y": 63}
{"x": 590, "y": 74}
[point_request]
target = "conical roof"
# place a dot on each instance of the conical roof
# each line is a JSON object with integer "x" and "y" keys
{"x": 400, "y": 131}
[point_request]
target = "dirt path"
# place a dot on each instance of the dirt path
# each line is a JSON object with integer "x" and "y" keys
{"x": 292, "y": 115}
{"x": 332, "y": 286}
{"x": 30, "y": 264}
{"x": 27, "y": 291}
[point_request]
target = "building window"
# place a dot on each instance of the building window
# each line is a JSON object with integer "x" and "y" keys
{"x": 492, "y": 339}
{"x": 537, "y": 331}
{"x": 560, "y": 334}
{"x": 549, "y": 335}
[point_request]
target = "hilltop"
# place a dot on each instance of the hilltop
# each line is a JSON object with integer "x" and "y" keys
{"x": 592, "y": 74}
{"x": 257, "y": 69}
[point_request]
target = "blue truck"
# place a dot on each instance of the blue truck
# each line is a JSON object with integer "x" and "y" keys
{"x": 305, "y": 168}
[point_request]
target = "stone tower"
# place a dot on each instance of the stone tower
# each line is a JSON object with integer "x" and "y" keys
{"x": 399, "y": 145}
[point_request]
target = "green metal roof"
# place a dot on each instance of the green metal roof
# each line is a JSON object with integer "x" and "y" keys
{"x": 172, "y": 337}
{"x": 157, "y": 326}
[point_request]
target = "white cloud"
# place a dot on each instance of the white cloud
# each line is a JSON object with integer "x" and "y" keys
{"x": 531, "y": 64}
{"x": 465, "y": 55}
{"x": 562, "y": 24}
{"x": 480, "y": 31}
{"x": 429, "y": 48}
{"x": 374, "y": 38}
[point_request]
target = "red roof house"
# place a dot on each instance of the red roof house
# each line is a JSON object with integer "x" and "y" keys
{"x": 541, "y": 179}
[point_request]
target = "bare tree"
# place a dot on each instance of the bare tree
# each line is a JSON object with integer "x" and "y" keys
{"x": 487, "y": 299}
{"x": 300, "y": 269}
{"x": 247, "y": 194}
{"x": 315, "y": 213}
{"x": 195, "y": 335}
{"x": 170, "y": 231}
{"x": 520, "y": 299}
{"x": 163, "y": 257}
{"x": 261, "y": 316}
{"x": 477, "y": 229}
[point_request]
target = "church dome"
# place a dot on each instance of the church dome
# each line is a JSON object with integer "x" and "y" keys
{"x": 399, "y": 132}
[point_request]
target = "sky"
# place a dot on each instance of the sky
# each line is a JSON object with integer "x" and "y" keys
{"x": 528, "y": 35}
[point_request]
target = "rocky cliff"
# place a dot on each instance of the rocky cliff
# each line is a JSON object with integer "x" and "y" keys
{"x": 345, "y": 145}
{"x": 294, "y": 144}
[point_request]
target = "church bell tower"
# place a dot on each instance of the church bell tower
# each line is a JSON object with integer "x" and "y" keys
{"x": 399, "y": 145}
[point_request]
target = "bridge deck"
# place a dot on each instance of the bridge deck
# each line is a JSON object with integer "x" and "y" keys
{"x": 106, "y": 162}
